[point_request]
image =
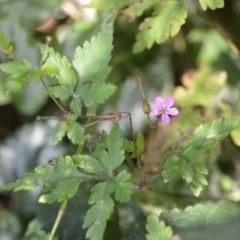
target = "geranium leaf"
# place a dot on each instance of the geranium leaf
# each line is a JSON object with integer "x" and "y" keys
{"x": 204, "y": 138}
{"x": 61, "y": 130}
{"x": 88, "y": 163}
{"x": 121, "y": 187}
{"x": 212, "y": 4}
{"x": 19, "y": 73}
{"x": 91, "y": 61}
{"x": 5, "y": 46}
{"x": 63, "y": 179}
{"x": 205, "y": 221}
{"x": 137, "y": 8}
{"x": 59, "y": 68}
{"x": 166, "y": 21}
{"x": 157, "y": 230}
{"x": 61, "y": 92}
{"x": 99, "y": 213}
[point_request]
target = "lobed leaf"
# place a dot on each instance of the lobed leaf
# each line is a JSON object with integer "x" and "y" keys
{"x": 99, "y": 213}
{"x": 76, "y": 105}
{"x": 75, "y": 133}
{"x": 59, "y": 67}
{"x": 61, "y": 130}
{"x": 166, "y": 21}
{"x": 206, "y": 222}
{"x": 61, "y": 92}
{"x": 114, "y": 143}
{"x": 98, "y": 93}
{"x": 172, "y": 167}
{"x": 63, "y": 180}
{"x": 128, "y": 146}
{"x": 137, "y": 8}
{"x": 34, "y": 231}
{"x": 204, "y": 138}
{"x": 88, "y": 163}
{"x": 18, "y": 74}
{"x": 107, "y": 156}
{"x": 157, "y": 230}
{"x": 91, "y": 61}
{"x": 207, "y": 135}
{"x": 5, "y": 46}
{"x": 212, "y": 4}
{"x": 121, "y": 187}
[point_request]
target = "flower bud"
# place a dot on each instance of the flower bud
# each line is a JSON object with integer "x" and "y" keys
{"x": 146, "y": 107}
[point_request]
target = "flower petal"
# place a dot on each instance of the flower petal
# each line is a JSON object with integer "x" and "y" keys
{"x": 165, "y": 118}
{"x": 159, "y": 101}
{"x": 173, "y": 111}
{"x": 169, "y": 102}
{"x": 156, "y": 111}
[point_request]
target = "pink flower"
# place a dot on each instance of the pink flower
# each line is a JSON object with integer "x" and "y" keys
{"x": 164, "y": 109}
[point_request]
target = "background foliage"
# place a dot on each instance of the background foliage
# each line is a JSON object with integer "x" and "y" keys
{"x": 176, "y": 181}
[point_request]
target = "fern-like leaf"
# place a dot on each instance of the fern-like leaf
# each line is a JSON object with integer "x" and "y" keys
{"x": 166, "y": 21}
{"x": 63, "y": 180}
{"x": 205, "y": 137}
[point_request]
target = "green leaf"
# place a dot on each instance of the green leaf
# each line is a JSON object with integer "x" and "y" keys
{"x": 91, "y": 61}
{"x": 34, "y": 231}
{"x": 109, "y": 4}
{"x": 121, "y": 187}
{"x": 75, "y": 133}
{"x": 172, "y": 167}
{"x": 37, "y": 235}
{"x": 201, "y": 179}
{"x": 76, "y": 105}
{"x": 204, "y": 138}
{"x": 88, "y": 163}
{"x": 196, "y": 188}
{"x": 63, "y": 180}
{"x": 166, "y": 21}
{"x": 71, "y": 128}
{"x": 137, "y": 8}
{"x": 188, "y": 173}
{"x": 201, "y": 168}
{"x": 107, "y": 156}
{"x": 194, "y": 174}
{"x": 60, "y": 132}
{"x": 99, "y": 213}
{"x": 207, "y": 135}
{"x": 18, "y": 74}
{"x": 61, "y": 92}
{"x": 5, "y": 46}
{"x": 98, "y": 93}
{"x": 128, "y": 146}
{"x": 206, "y": 222}
{"x": 115, "y": 155}
{"x": 59, "y": 67}
{"x": 157, "y": 230}
{"x": 212, "y": 4}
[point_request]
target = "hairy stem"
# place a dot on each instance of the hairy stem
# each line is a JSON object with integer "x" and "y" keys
{"x": 52, "y": 97}
{"x": 59, "y": 217}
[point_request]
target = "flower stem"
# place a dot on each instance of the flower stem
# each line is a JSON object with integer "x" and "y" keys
{"x": 51, "y": 96}
{"x": 59, "y": 217}
{"x": 140, "y": 84}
